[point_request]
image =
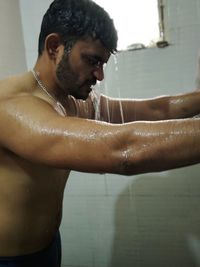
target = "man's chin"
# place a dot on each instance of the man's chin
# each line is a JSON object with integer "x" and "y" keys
{"x": 81, "y": 97}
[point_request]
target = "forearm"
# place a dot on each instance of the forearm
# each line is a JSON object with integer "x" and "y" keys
{"x": 159, "y": 108}
{"x": 184, "y": 105}
{"x": 163, "y": 145}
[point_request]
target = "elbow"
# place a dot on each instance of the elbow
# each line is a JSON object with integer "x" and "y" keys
{"x": 126, "y": 163}
{"x": 137, "y": 161}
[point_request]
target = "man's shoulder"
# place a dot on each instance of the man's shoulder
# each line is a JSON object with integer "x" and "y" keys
{"x": 13, "y": 86}
{"x": 17, "y": 90}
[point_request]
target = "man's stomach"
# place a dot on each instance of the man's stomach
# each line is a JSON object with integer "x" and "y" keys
{"x": 30, "y": 205}
{"x": 23, "y": 233}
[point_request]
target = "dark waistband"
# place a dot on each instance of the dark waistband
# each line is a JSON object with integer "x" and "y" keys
{"x": 38, "y": 254}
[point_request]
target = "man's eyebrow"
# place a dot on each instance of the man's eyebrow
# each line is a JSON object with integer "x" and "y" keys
{"x": 96, "y": 57}
{"x": 102, "y": 59}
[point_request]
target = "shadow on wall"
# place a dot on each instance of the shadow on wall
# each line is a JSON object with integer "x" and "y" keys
{"x": 157, "y": 221}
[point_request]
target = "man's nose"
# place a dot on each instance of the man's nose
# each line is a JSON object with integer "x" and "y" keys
{"x": 99, "y": 73}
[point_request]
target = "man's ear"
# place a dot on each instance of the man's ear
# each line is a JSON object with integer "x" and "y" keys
{"x": 53, "y": 43}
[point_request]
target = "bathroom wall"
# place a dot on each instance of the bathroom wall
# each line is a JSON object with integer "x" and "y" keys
{"x": 150, "y": 220}
{"x": 12, "y": 50}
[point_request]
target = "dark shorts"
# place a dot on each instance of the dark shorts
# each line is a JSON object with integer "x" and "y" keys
{"x": 49, "y": 257}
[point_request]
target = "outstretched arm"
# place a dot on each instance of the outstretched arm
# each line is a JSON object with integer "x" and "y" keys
{"x": 41, "y": 135}
{"x": 159, "y": 108}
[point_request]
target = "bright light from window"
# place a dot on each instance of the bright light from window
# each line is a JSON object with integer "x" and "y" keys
{"x": 136, "y": 21}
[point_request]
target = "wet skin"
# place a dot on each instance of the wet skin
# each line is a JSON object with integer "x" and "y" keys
{"x": 31, "y": 194}
{"x": 37, "y": 142}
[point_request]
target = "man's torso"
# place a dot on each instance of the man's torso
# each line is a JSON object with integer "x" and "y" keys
{"x": 30, "y": 194}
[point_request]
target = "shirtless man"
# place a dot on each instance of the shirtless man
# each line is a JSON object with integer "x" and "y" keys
{"x": 48, "y": 129}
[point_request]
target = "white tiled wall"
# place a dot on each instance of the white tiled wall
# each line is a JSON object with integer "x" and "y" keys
{"x": 12, "y": 50}
{"x": 150, "y": 220}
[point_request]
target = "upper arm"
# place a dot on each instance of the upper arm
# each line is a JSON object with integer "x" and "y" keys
{"x": 32, "y": 129}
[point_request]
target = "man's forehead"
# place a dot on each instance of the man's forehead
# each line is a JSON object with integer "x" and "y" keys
{"x": 92, "y": 47}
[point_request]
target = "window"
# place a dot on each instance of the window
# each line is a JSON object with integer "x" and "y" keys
{"x": 137, "y": 21}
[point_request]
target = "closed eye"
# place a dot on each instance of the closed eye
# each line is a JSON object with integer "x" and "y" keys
{"x": 93, "y": 61}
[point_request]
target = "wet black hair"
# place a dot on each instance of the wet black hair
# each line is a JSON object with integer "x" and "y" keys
{"x": 78, "y": 19}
